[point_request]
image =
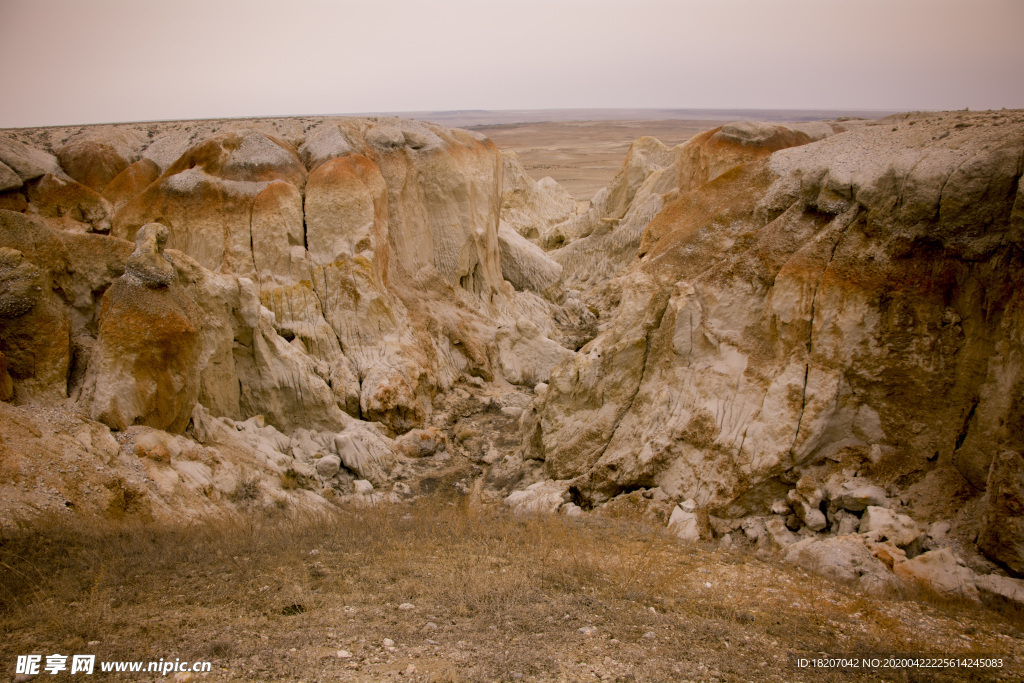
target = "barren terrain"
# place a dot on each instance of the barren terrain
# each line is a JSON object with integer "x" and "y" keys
{"x": 442, "y": 590}
{"x": 359, "y": 399}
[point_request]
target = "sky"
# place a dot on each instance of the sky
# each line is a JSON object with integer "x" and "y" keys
{"x": 94, "y": 61}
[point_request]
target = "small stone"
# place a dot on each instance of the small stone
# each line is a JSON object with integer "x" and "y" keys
{"x": 362, "y": 487}
{"x": 430, "y": 626}
{"x": 587, "y": 630}
{"x": 406, "y": 606}
{"x": 650, "y": 635}
{"x": 184, "y": 677}
{"x": 344, "y": 654}
{"x": 388, "y": 642}
{"x": 410, "y": 670}
{"x": 707, "y": 584}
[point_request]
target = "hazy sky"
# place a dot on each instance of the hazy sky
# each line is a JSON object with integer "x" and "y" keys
{"x": 87, "y": 61}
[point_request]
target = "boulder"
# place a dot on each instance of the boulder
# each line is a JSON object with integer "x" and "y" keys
{"x": 148, "y": 263}
{"x": 881, "y": 524}
{"x": 27, "y": 162}
{"x": 94, "y": 160}
{"x": 328, "y": 466}
{"x": 684, "y": 525}
{"x": 857, "y": 496}
{"x": 360, "y": 454}
{"x": 527, "y": 267}
{"x": 940, "y": 570}
{"x": 1000, "y": 591}
{"x": 842, "y": 558}
{"x": 805, "y": 500}
{"x": 544, "y": 496}
{"x": 420, "y": 443}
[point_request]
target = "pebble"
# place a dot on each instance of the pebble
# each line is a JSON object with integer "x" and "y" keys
{"x": 344, "y": 654}
{"x": 587, "y": 630}
{"x": 406, "y": 606}
{"x": 388, "y": 642}
{"x": 650, "y": 635}
{"x": 431, "y": 626}
{"x": 410, "y": 670}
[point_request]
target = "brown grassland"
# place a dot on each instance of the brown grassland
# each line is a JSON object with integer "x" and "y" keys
{"x": 286, "y": 596}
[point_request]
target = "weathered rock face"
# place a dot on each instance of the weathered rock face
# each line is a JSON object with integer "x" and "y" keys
{"x": 847, "y": 304}
{"x": 531, "y": 207}
{"x": 313, "y": 274}
{"x": 145, "y": 365}
{"x": 810, "y": 335}
{"x": 597, "y": 245}
{"x": 1002, "y": 533}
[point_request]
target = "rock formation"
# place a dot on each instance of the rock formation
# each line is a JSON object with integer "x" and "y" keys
{"x": 805, "y": 336}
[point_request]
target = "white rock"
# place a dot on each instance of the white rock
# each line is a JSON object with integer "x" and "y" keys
{"x": 857, "y": 496}
{"x": 684, "y": 525}
{"x": 362, "y": 487}
{"x": 844, "y": 558}
{"x": 328, "y": 466}
{"x": 543, "y": 496}
{"x": 881, "y": 524}
{"x": 940, "y": 570}
{"x": 406, "y": 606}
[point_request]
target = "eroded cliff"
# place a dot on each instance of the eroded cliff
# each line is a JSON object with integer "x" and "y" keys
{"x": 803, "y": 336}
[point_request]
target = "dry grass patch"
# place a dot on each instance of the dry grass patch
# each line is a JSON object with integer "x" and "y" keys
{"x": 494, "y": 597}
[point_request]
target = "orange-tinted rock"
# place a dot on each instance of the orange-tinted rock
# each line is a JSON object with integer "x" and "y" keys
{"x": 347, "y": 211}
{"x": 13, "y": 200}
{"x": 92, "y": 163}
{"x": 145, "y": 365}
{"x": 59, "y": 198}
{"x": 130, "y": 182}
{"x": 206, "y": 198}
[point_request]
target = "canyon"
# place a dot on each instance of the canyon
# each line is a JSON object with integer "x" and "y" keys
{"x": 801, "y": 338}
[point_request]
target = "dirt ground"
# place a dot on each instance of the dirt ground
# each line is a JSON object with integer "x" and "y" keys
{"x": 441, "y": 590}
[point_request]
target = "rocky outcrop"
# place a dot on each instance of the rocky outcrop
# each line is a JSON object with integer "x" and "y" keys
{"x": 772, "y": 305}
{"x": 804, "y": 337}
{"x": 531, "y": 207}
{"x": 527, "y": 267}
{"x": 1002, "y": 531}
{"x": 145, "y": 367}
{"x": 598, "y": 244}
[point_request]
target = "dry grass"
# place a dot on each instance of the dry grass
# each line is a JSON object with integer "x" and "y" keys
{"x": 494, "y": 595}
